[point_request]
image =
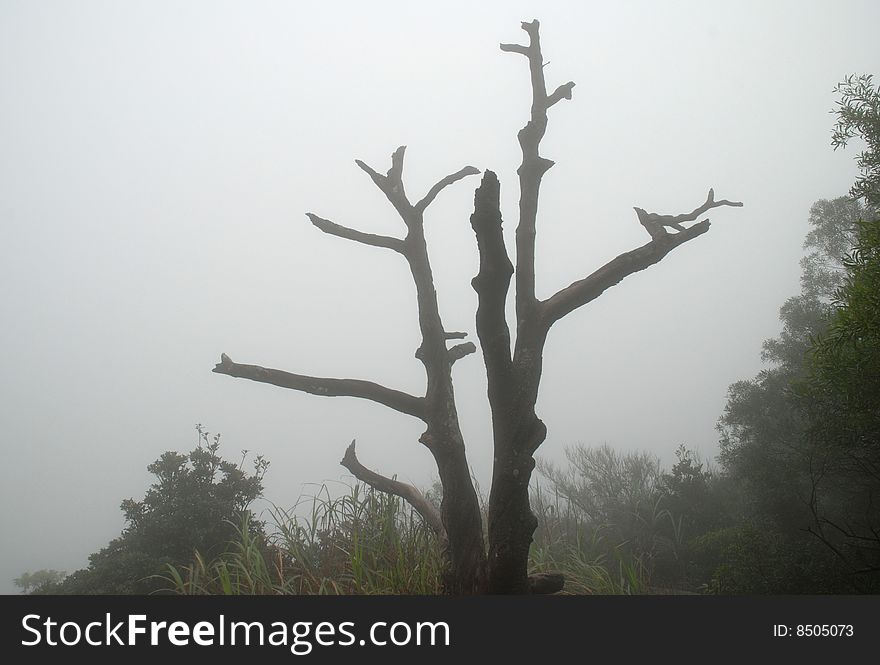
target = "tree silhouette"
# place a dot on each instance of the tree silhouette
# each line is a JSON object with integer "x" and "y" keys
{"x": 513, "y": 373}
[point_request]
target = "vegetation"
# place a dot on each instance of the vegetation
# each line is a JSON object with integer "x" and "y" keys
{"x": 38, "y": 580}
{"x": 791, "y": 508}
{"x": 485, "y": 553}
{"x": 801, "y": 440}
{"x": 363, "y": 542}
{"x": 858, "y": 116}
{"x": 794, "y": 506}
{"x": 842, "y": 400}
{"x": 842, "y": 393}
{"x": 193, "y": 506}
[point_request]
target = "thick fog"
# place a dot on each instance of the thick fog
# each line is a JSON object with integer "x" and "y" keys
{"x": 157, "y": 159}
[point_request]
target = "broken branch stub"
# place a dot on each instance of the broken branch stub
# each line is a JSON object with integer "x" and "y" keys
{"x": 407, "y": 492}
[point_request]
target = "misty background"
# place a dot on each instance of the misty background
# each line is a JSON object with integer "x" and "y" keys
{"x": 157, "y": 159}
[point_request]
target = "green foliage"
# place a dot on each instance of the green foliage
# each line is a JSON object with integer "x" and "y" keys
{"x": 247, "y": 567}
{"x": 832, "y": 235}
{"x": 191, "y": 503}
{"x": 617, "y": 491}
{"x": 194, "y": 505}
{"x": 764, "y": 422}
{"x": 763, "y": 428}
{"x": 608, "y": 519}
{"x": 762, "y": 434}
{"x": 38, "y": 580}
{"x": 592, "y": 559}
{"x": 846, "y": 360}
{"x": 842, "y": 395}
{"x": 858, "y": 115}
{"x": 364, "y": 542}
{"x": 694, "y": 494}
{"x": 782, "y": 432}
{"x": 750, "y": 558}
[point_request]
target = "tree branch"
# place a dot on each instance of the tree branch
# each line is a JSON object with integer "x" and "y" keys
{"x": 391, "y": 184}
{"x": 377, "y": 177}
{"x": 654, "y": 224}
{"x": 442, "y": 184}
{"x": 437, "y": 408}
{"x": 459, "y": 351}
{"x": 585, "y": 290}
{"x": 433, "y": 352}
{"x": 395, "y": 173}
{"x": 407, "y": 492}
{"x": 393, "y": 399}
{"x": 334, "y": 229}
{"x": 515, "y": 48}
{"x": 532, "y": 170}
{"x": 562, "y": 92}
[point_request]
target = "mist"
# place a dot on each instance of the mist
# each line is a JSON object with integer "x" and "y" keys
{"x": 158, "y": 160}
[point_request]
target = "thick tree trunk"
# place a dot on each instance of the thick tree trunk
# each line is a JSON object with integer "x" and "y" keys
{"x": 513, "y": 381}
{"x": 513, "y": 377}
{"x": 511, "y": 521}
{"x": 513, "y": 389}
{"x": 460, "y": 511}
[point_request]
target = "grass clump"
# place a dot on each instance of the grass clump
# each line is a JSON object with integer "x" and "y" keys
{"x": 363, "y": 542}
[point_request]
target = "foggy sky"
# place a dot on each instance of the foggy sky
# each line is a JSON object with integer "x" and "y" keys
{"x": 157, "y": 159}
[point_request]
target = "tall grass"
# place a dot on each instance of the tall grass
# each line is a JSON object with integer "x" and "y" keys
{"x": 368, "y": 542}
{"x": 589, "y": 556}
{"x": 363, "y": 542}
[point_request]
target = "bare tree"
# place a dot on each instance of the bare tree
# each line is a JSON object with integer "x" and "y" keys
{"x": 513, "y": 373}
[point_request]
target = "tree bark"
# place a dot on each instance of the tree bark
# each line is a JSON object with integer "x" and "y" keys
{"x": 459, "y": 521}
{"x": 514, "y": 380}
{"x": 405, "y": 491}
{"x": 513, "y": 375}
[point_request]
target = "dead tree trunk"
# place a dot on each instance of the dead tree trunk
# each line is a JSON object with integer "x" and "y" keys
{"x": 513, "y": 380}
{"x": 460, "y": 510}
{"x": 513, "y": 375}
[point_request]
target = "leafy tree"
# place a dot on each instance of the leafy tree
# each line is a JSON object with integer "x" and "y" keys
{"x": 195, "y": 504}
{"x": 614, "y": 490}
{"x": 618, "y": 502}
{"x": 192, "y": 502}
{"x": 629, "y": 507}
{"x": 696, "y": 496}
{"x": 858, "y": 115}
{"x": 800, "y": 440}
{"x": 843, "y": 397}
{"x": 749, "y": 558}
{"x": 846, "y": 360}
{"x": 513, "y": 362}
{"x": 842, "y": 392}
{"x": 764, "y": 422}
{"x": 38, "y": 579}
{"x": 768, "y": 452}
{"x": 832, "y": 235}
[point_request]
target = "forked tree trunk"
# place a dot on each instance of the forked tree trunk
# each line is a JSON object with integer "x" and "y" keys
{"x": 513, "y": 375}
{"x": 514, "y": 380}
